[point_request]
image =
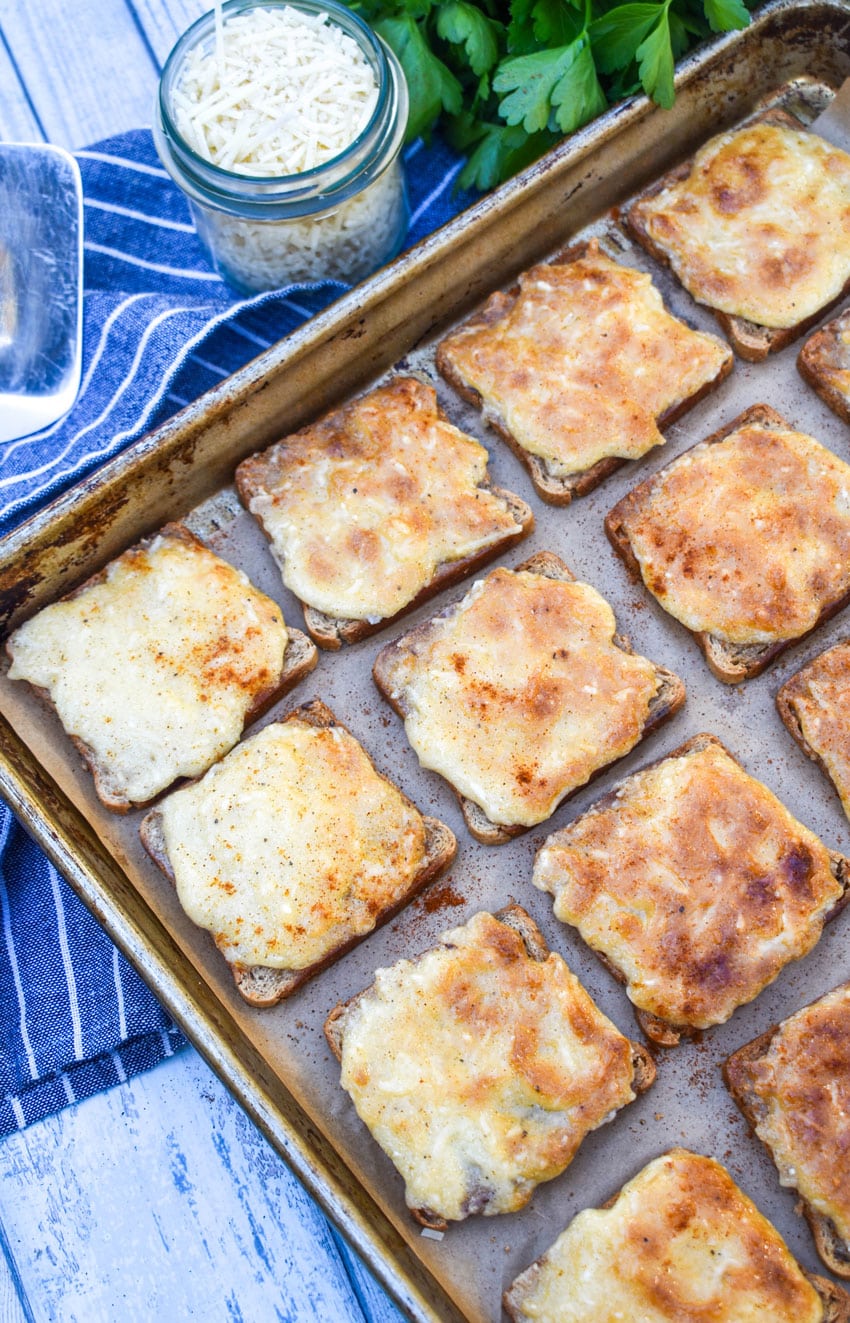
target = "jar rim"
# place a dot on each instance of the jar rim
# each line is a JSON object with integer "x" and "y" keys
{"x": 369, "y": 42}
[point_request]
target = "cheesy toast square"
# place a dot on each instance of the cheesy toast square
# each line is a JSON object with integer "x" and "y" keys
{"x": 521, "y": 692}
{"x": 292, "y": 849}
{"x": 814, "y": 704}
{"x": 756, "y": 226}
{"x": 579, "y": 368}
{"x": 474, "y": 1104}
{"x": 694, "y": 884}
{"x": 793, "y": 1085}
{"x": 375, "y": 507}
{"x": 156, "y": 664}
{"x": 824, "y": 362}
{"x": 744, "y": 539}
{"x": 679, "y": 1242}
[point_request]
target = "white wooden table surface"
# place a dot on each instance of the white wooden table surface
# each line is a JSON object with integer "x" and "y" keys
{"x": 158, "y": 1199}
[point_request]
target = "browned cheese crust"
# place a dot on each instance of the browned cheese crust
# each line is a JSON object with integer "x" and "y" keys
{"x": 745, "y": 539}
{"x": 185, "y": 660}
{"x": 814, "y": 704}
{"x": 695, "y": 884}
{"x": 376, "y": 507}
{"x": 679, "y": 1243}
{"x": 476, "y": 1108}
{"x": 579, "y": 367}
{"x": 824, "y": 362}
{"x": 521, "y": 693}
{"x": 347, "y": 906}
{"x": 793, "y": 1085}
{"x": 766, "y": 251}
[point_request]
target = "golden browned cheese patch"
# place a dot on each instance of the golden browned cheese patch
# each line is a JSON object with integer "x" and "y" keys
{"x": 760, "y": 228}
{"x": 364, "y": 505}
{"x": 747, "y": 539}
{"x": 476, "y": 1106}
{"x": 155, "y": 664}
{"x": 696, "y": 883}
{"x": 681, "y": 1244}
{"x": 820, "y": 699}
{"x": 583, "y": 361}
{"x": 803, "y": 1082}
{"x": 291, "y": 845}
{"x": 519, "y": 693}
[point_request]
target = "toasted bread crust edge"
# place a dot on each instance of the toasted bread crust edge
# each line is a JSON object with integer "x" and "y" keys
{"x": 832, "y": 1248}
{"x": 300, "y": 657}
{"x": 262, "y": 985}
{"x": 812, "y": 370}
{"x": 520, "y": 921}
{"x": 554, "y": 489}
{"x": 750, "y": 340}
{"x": 797, "y": 686}
{"x": 836, "y": 1301}
{"x": 729, "y": 663}
{"x": 666, "y": 1033}
{"x": 666, "y": 703}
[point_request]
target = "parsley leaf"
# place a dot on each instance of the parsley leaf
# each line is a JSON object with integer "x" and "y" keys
{"x": 465, "y": 25}
{"x": 433, "y": 87}
{"x": 616, "y": 36}
{"x": 724, "y": 15}
{"x": 655, "y": 63}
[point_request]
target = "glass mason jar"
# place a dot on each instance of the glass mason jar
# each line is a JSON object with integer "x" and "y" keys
{"x": 341, "y": 220}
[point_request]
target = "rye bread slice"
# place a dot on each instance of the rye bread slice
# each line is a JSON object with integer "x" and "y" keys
{"x": 299, "y": 659}
{"x": 796, "y": 689}
{"x": 818, "y": 363}
{"x": 836, "y": 1302}
{"x": 554, "y": 488}
{"x": 666, "y": 1033}
{"x": 667, "y": 701}
{"x": 752, "y": 341}
{"x": 257, "y": 473}
{"x": 263, "y": 985}
{"x": 833, "y": 1249}
{"x": 731, "y": 663}
{"x": 513, "y": 916}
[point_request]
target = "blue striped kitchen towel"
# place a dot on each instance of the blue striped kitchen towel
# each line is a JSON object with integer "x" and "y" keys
{"x": 159, "y": 329}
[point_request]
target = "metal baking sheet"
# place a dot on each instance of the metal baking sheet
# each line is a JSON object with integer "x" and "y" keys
{"x": 276, "y": 1061}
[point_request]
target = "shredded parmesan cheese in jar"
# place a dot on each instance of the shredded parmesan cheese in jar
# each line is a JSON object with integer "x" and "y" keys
{"x": 282, "y": 123}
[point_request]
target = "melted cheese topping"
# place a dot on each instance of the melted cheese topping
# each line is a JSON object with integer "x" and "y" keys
{"x": 362, "y": 507}
{"x": 803, "y": 1081}
{"x": 518, "y": 694}
{"x": 760, "y": 228}
{"x": 682, "y": 1242}
{"x": 476, "y": 1107}
{"x": 291, "y": 846}
{"x": 821, "y": 701}
{"x": 696, "y": 883}
{"x": 581, "y": 364}
{"x": 155, "y": 666}
{"x": 747, "y": 539}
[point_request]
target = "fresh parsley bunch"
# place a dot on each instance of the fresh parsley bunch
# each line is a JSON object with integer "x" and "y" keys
{"x": 506, "y": 80}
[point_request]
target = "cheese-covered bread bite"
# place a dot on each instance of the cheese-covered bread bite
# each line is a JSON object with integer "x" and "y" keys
{"x": 579, "y": 367}
{"x": 480, "y": 1066}
{"x": 521, "y": 692}
{"x": 824, "y": 361}
{"x": 156, "y": 665}
{"x": 375, "y": 507}
{"x": 292, "y": 849}
{"x": 793, "y": 1085}
{"x": 756, "y": 226}
{"x": 680, "y": 1242}
{"x": 815, "y": 706}
{"x": 694, "y": 884}
{"x": 744, "y": 539}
